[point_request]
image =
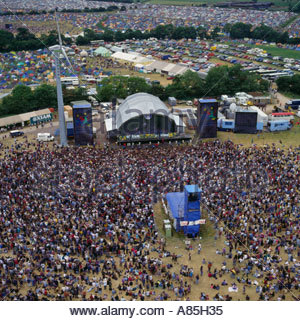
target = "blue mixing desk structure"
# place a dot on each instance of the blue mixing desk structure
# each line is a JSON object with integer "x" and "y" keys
{"x": 184, "y": 209}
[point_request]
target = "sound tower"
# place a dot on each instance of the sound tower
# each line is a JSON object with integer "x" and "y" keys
{"x": 207, "y": 118}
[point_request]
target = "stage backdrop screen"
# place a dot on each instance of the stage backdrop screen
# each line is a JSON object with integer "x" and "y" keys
{"x": 207, "y": 118}
{"x": 83, "y": 125}
{"x": 245, "y": 122}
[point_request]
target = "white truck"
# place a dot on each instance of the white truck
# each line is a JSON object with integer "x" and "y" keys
{"x": 44, "y": 137}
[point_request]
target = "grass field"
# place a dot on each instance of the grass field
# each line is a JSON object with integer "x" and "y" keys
{"x": 274, "y": 51}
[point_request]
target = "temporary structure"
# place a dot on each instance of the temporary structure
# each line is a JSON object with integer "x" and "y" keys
{"x": 102, "y": 51}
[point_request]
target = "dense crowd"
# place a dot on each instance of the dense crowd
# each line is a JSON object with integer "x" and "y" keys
{"x": 79, "y": 223}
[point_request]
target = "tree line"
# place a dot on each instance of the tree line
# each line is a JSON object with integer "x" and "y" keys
{"x": 100, "y": 9}
{"x": 23, "y": 99}
{"x": 24, "y": 40}
{"x": 220, "y": 80}
{"x": 236, "y": 31}
{"x": 242, "y": 30}
{"x": 289, "y": 84}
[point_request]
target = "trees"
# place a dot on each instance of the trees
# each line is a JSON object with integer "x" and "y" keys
{"x": 284, "y": 83}
{"x": 6, "y": 38}
{"x": 229, "y": 80}
{"x": 82, "y": 41}
{"x": 45, "y": 96}
{"x": 215, "y": 33}
{"x": 289, "y": 84}
{"x": 227, "y": 27}
{"x": 136, "y": 85}
{"x": 215, "y": 83}
{"x": 159, "y": 32}
{"x": 20, "y": 101}
{"x": 158, "y": 91}
{"x": 50, "y": 40}
{"x": 74, "y": 94}
{"x": 295, "y": 84}
{"x": 192, "y": 83}
{"x": 24, "y": 34}
{"x": 121, "y": 87}
{"x": 9, "y": 106}
{"x": 178, "y": 33}
{"x": 240, "y": 30}
{"x": 202, "y": 32}
{"x": 23, "y": 99}
{"x": 108, "y": 35}
{"x": 220, "y": 80}
{"x": 119, "y": 36}
{"x": 264, "y": 32}
{"x": 129, "y": 34}
{"x": 105, "y": 92}
{"x": 24, "y": 40}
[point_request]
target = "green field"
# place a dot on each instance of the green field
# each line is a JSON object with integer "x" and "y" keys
{"x": 274, "y": 51}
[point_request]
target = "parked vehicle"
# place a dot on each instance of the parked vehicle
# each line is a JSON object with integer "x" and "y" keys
{"x": 44, "y": 137}
{"x": 16, "y": 133}
{"x": 281, "y": 116}
{"x": 293, "y": 104}
{"x": 229, "y": 124}
{"x": 279, "y": 125}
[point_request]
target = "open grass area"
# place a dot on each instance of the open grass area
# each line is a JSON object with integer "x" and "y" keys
{"x": 275, "y": 51}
